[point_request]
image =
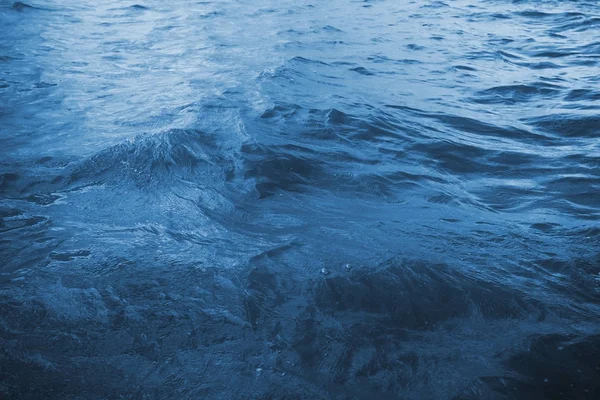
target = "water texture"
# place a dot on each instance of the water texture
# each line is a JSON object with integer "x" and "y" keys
{"x": 300, "y": 200}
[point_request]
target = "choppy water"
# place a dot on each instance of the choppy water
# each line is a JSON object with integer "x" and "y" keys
{"x": 184, "y": 183}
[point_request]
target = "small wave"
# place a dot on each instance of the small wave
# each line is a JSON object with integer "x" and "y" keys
{"x": 138, "y": 7}
{"x": 275, "y": 170}
{"x": 512, "y": 94}
{"x": 582, "y": 95}
{"x": 362, "y": 71}
{"x": 180, "y": 154}
{"x": 580, "y": 26}
{"x": 542, "y": 14}
{"x": 567, "y": 125}
{"x": 476, "y": 127}
{"x": 19, "y": 6}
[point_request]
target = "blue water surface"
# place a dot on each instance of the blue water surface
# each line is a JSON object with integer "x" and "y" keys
{"x": 264, "y": 199}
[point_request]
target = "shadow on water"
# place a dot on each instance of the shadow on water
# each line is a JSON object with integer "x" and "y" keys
{"x": 400, "y": 329}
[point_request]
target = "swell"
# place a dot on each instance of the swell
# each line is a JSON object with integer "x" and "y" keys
{"x": 187, "y": 155}
{"x": 146, "y": 161}
{"x": 386, "y": 155}
{"x": 382, "y": 155}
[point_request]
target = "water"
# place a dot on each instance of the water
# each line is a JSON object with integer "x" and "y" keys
{"x": 302, "y": 200}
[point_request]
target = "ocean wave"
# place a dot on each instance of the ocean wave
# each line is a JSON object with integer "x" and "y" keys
{"x": 329, "y": 201}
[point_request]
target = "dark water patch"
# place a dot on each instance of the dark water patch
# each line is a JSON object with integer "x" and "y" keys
{"x": 545, "y": 226}
{"x": 519, "y": 160}
{"x": 296, "y": 169}
{"x": 435, "y": 5}
{"x": 567, "y": 125}
{"x": 362, "y": 71}
{"x": 9, "y": 212}
{"x": 477, "y": 127}
{"x": 42, "y": 199}
{"x": 302, "y": 71}
{"x": 383, "y": 185}
{"x": 19, "y": 6}
{"x": 19, "y": 222}
{"x": 267, "y": 11}
{"x": 576, "y": 183}
{"x": 587, "y": 233}
{"x": 43, "y": 85}
{"x": 592, "y": 49}
{"x": 8, "y": 179}
{"x": 582, "y": 95}
{"x": 138, "y": 7}
{"x": 374, "y": 58}
{"x": 444, "y": 198}
{"x": 583, "y": 279}
{"x": 557, "y": 35}
{"x": 533, "y": 14}
{"x": 451, "y": 220}
{"x": 307, "y": 61}
{"x": 586, "y": 280}
{"x": 586, "y": 63}
{"x": 456, "y": 158}
{"x": 212, "y": 14}
{"x": 520, "y": 61}
{"x": 340, "y": 126}
{"x": 464, "y": 68}
{"x": 281, "y": 111}
{"x": 560, "y": 366}
{"x": 498, "y": 387}
{"x": 363, "y": 294}
{"x": 580, "y": 26}
{"x": 508, "y": 55}
{"x": 542, "y": 14}
{"x": 408, "y": 61}
{"x": 512, "y": 94}
{"x": 587, "y": 198}
{"x": 377, "y": 322}
{"x": 329, "y": 28}
{"x": 415, "y": 47}
{"x": 132, "y": 8}
{"x": 553, "y": 54}
{"x": 539, "y": 65}
{"x": 275, "y": 171}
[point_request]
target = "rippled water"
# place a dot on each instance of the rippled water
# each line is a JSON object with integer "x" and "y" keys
{"x": 285, "y": 199}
